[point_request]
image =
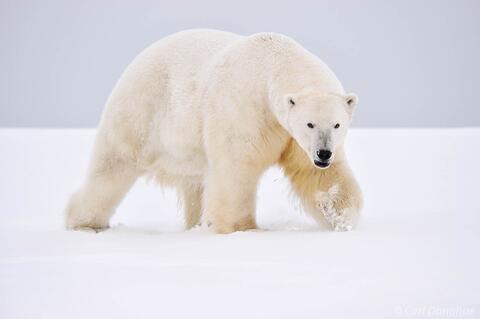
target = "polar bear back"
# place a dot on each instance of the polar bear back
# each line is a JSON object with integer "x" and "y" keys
{"x": 152, "y": 112}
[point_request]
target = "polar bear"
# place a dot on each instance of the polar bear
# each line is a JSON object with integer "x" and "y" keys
{"x": 207, "y": 112}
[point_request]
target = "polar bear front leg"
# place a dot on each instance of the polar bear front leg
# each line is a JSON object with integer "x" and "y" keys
{"x": 327, "y": 203}
{"x": 339, "y": 200}
{"x": 229, "y": 199}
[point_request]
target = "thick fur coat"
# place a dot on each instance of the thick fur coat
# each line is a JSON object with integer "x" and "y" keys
{"x": 207, "y": 112}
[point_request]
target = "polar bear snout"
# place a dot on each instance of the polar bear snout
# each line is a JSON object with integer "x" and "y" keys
{"x": 324, "y": 155}
{"x": 323, "y": 158}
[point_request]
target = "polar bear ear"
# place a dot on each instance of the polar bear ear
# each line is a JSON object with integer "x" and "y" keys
{"x": 352, "y": 101}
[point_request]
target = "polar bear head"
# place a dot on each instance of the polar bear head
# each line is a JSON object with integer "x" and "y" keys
{"x": 318, "y": 122}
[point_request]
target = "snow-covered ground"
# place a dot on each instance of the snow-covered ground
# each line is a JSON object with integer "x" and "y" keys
{"x": 415, "y": 253}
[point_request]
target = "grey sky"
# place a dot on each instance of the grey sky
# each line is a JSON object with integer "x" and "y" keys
{"x": 412, "y": 63}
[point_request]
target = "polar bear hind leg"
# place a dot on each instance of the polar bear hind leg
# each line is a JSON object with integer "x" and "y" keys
{"x": 190, "y": 198}
{"x": 108, "y": 181}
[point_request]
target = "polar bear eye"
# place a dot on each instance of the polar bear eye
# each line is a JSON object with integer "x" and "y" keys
{"x": 337, "y": 125}
{"x": 310, "y": 125}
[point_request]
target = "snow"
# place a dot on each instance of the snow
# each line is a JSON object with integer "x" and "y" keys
{"x": 415, "y": 251}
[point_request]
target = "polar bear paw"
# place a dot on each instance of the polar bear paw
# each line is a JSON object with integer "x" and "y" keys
{"x": 340, "y": 219}
{"x": 78, "y": 217}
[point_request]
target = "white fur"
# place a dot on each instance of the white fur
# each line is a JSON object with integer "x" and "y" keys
{"x": 207, "y": 112}
{"x": 340, "y": 220}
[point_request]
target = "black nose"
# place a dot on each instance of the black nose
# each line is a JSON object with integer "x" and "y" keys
{"x": 324, "y": 155}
